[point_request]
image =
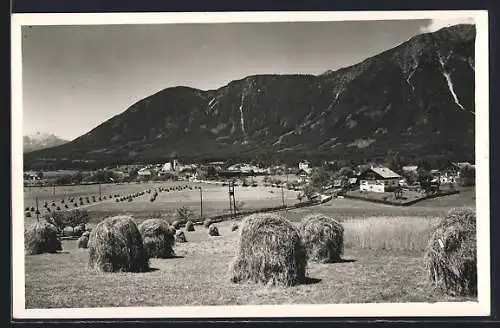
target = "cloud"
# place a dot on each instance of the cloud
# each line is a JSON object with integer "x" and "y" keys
{"x": 436, "y": 24}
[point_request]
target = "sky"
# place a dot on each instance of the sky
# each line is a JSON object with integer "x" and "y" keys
{"x": 76, "y": 77}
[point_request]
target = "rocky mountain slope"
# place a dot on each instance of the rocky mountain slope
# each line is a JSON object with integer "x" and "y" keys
{"x": 417, "y": 99}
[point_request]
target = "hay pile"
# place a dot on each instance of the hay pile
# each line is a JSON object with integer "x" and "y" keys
{"x": 180, "y": 237}
{"x": 189, "y": 226}
{"x": 115, "y": 244}
{"x": 172, "y": 229}
{"x": 451, "y": 253}
{"x": 270, "y": 251}
{"x": 213, "y": 231}
{"x": 323, "y": 238}
{"x": 83, "y": 241}
{"x": 40, "y": 238}
{"x": 158, "y": 238}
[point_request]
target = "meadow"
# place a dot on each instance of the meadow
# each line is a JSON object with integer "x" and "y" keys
{"x": 383, "y": 259}
{"x": 215, "y": 199}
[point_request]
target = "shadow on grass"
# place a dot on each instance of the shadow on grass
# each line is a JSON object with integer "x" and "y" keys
{"x": 310, "y": 281}
{"x": 150, "y": 270}
{"x": 173, "y": 257}
{"x": 346, "y": 261}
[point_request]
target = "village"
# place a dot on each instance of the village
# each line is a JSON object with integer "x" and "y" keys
{"x": 330, "y": 179}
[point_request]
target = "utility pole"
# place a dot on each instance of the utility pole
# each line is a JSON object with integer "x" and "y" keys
{"x": 232, "y": 202}
{"x": 282, "y": 195}
{"x": 99, "y": 189}
{"x": 37, "y": 211}
{"x": 201, "y": 204}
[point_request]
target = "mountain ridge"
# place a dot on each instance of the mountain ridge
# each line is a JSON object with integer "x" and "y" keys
{"x": 407, "y": 93}
{"x": 39, "y": 141}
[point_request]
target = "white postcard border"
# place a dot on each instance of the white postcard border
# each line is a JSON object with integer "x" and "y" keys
{"x": 480, "y": 308}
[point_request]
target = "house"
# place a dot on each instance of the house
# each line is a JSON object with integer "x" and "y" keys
{"x": 352, "y": 181}
{"x": 379, "y": 179}
{"x": 144, "y": 172}
{"x": 410, "y": 168}
{"x": 303, "y": 176}
{"x": 167, "y": 167}
{"x": 304, "y": 165}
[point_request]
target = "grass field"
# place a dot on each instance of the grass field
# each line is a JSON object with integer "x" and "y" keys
{"x": 215, "y": 199}
{"x": 383, "y": 262}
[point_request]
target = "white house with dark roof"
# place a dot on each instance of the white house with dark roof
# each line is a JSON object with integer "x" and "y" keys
{"x": 379, "y": 179}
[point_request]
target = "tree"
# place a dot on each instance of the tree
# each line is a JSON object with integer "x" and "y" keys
{"x": 467, "y": 176}
{"x": 345, "y": 171}
{"x": 211, "y": 172}
{"x": 77, "y": 177}
{"x": 320, "y": 177}
{"x": 393, "y": 161}
{"x": 410, "y": 176}
{"x": 184, "y": 214}
{"x": 76, "y": 217}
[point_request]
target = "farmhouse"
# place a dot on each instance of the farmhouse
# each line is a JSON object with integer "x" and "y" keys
{"x": 304, "y": 165}
{"x": 144, "y": 172}
{"x": 379, "y": 179}
{"x": 167, "y": 167}
{"x": 410, "y": 168}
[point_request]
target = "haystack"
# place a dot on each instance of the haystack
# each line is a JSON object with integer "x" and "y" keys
{"x": 189, "y": 226}
{"x": 40, "y": 238}
{"x": 213, "y": 231}
{"x": 451, "y": 253}
{"x": 115, "y": 244}
{"x": 83, "y": 241}
{"x": 172, "y": 229}
{"x": 180, "y": 237}
{"x": 158, "y": 238}
{"x": 323, "y": 238}
{"x": 270, "y": 251}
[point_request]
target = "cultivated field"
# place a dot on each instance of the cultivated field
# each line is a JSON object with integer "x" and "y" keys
{"x": 383, "y": 261}
{"x": 215, "y": 199}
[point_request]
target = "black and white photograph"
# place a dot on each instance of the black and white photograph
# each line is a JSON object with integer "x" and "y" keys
{"x": 267, "y": 164}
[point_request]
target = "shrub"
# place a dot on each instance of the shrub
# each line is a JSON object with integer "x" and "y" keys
{"x": 176, "y": 225}
{"x": 115, "y": 244}
{"x": 270, "y": 251}
{"x": 234, "y": 227}
{"x": 157, "y": 238}
{"x": 323, "y": 238}
{"x": 27, "y": 214}
{"x": 184, "y": 214}
{"x": 451, "y": 256}
{"x": 40, "y": 238}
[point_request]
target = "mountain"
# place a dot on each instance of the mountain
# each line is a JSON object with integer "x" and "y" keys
{"x": 416, "y": 99}
{"x": 40, "y": 141}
